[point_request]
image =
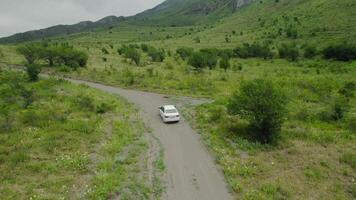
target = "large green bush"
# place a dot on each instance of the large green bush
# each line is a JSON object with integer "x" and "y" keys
{"x": 342, "y": 52}
{"x": 225, "y": 63}
{"x": 198, "y": 60}
{"x": 185, "y": 52}
{"x": 288, "y": 51}
{"x": 262, "y": 103}
{"x": 253, "y": 51}
{"x": 33, "y": 71}
{"x": 157, "y": 55}
{"x": 54, "y": 55}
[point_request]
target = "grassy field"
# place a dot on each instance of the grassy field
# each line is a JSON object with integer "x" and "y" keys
{"x": 62, "y": 141}
{"x": 315, "y": 157}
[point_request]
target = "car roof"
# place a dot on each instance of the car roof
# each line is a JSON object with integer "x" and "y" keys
{"x": 169, "y": 107}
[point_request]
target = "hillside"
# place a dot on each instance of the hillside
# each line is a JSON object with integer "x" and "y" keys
{"x": 169, "y": 13}
{"x": 313, "y": 153}
{"x": 312, "y": 22}
{"x": 188, "y": 12}
{"x": 84, "y": 26}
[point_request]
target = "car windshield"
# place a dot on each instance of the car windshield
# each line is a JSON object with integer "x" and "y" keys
{"x": 170, "y": 111}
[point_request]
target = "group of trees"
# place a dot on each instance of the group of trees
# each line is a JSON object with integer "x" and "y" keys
{"x": 253, "y": 51}
{"x": 130, "y": 52}
{"x": 289, "y": 51}
{"x": 205, "y": 58}
{"x": 53, "y": 55}
{"x": 157, "y": 55}
{"x": 133, "y": 52}
{"x": 342, "y": 52}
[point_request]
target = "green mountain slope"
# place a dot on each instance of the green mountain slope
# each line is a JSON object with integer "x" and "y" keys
{"x": 169, "y": 13}
{"x": 188, "y": 12}
{"x": 312, "y": 22}
{"x": 106, "y": 22}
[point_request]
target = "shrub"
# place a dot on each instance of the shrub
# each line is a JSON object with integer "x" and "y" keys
{"x": 211, "y": 56}
{"x": 156, "y": 54}
{"x": 349, "y": 158}
{"x": 310, "y": 52}
{"x": 289, "y": 52}
{"x": 348, "y": 89}
{"x": 342, "y": 52}
{"x": 184, "y": 52}
{"x": 2, "y": 55}
{"x": 105, "y": 51}
{"x": 263, "y": 104}
{"x": 134, "y": 55}
{"x": 30, "y": 52}
{"x": 62, "y": 54}
{"x": 292, "y": 33}
{"x": 253, "y": 51}
{"x": 144, "y": 47}
{"x": 225, "y": 63}
{"x": 33, "y": 71}
{"x": 198, "y": 60}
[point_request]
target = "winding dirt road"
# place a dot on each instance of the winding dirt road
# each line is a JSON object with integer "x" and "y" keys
{"x": 191, "y": 172}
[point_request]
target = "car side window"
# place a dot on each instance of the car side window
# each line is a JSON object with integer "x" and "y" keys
{"x": 162, "y": 109}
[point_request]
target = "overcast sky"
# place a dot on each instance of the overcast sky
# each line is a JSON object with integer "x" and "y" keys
{"x": 24, "y": 15}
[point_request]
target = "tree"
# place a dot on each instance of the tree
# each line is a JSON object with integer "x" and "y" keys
{"x": 198, "y": 61}
{"x": 342, "y": 52}
{"x": 105, "y": 51}
{"x": 290, "y": 52}
{"x": 134, "y": 55}
{"x": 262, "y": 103}
{"x": 225, "y": 63}
{"x": 185, "y": 52}
{"x": 30, "y": 52}
{"x": 310, "y": 52}
{"x": 157, "y": 55}
{"x": 33, "y": 71}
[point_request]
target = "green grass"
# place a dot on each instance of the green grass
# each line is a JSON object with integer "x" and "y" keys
{"x": 314, "y": 158}
{"x": 56, "y": 145}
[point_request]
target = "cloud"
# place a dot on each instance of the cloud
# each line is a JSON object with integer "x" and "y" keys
{"x": 23, "y": 15}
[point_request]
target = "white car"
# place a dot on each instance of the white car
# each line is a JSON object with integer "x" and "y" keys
{"x": 169, "y": 113}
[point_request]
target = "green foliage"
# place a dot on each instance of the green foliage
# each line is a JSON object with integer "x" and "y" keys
{"x": 131, "y": 52}
{"x": 198, "y": 60}
{"x": 349, "y": 158}
{"x": 2, "y": 55}
{"x": 348, "y": 89}
{"x": 253, "y": 51}
{"x": 33, "y": 71}
{"x": 105, "y": 51}
{"x": 211, "y": 56}
{"x": 30, "y": 52}
{"x": 144, "y": 47}
{"x": 225, "y": 63}
{"x": 185, "y": 52}
{"x": 292, "y": 33}
{"x": 263, "y": 104}
{"x": 134, "y": 55}
{"x": 288, "y": 51}
{"x": 310, "y": 52}
{"x": 157, "y": 55}
{"x": 342, "y": 52}
{"x": 59, "y": 55}
{"x": 62, "y": 124}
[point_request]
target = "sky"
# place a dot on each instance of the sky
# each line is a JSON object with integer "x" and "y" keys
{"x": 24, "y": 15}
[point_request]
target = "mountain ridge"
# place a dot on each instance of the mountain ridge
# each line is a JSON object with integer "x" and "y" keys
{"x": 168, "y": 13}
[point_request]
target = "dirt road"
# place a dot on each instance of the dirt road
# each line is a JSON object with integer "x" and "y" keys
{"x": 191, "y": 172}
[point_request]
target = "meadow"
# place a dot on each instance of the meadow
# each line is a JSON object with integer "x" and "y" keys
{"x": 61, "y": 141}
{"x": 314, "y": 157}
